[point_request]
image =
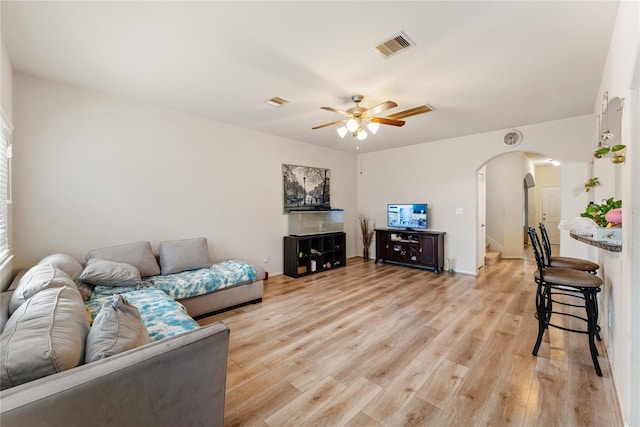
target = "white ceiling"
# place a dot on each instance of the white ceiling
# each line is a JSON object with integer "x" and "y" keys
{"x": 483, "y": 65}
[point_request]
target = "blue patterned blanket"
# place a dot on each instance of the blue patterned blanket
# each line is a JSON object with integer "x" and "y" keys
{"x": 161, "y": 315}
{"x": 190, "y": 283}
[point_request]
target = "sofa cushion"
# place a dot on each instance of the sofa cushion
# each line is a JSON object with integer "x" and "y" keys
{"x": 109, "y": 273}
{"x": 182, "y": 255}
{"x": 45, "y": 335}
{"x": 5, "y": 298}
{"x": 64, "y": 262}
{"x": 117, "y": 328}
{"x": 39, "y": 277}
{"x": 138, "y": 254}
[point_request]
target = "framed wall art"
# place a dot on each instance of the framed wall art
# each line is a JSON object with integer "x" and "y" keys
{"x": 305, "y": 187}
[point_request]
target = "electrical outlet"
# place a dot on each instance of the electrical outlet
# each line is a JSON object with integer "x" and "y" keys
{"x": 265, "y": 259}
{"x": 459, "y": 211}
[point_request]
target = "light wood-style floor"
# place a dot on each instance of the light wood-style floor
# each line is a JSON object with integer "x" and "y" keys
{"x": 384, "y": 345}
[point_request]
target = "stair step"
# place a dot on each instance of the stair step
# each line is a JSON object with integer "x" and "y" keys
{"x": 491, "y": 257}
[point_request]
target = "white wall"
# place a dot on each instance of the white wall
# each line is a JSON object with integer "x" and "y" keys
{"x": 93, "y": 170}
{"x": 495, "y": 192}
{"x": 6, "y": 82}
{"x": 622, "y": 272}
{"x": 443, "y": 174}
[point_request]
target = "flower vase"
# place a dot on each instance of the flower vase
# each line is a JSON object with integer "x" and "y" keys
{"x": 452, "y": 266}
{"x": 365, "y": 253}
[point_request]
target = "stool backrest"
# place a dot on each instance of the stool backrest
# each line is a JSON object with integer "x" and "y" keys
{"x": 537, "y": 249}
{"x": 546, "y": 243}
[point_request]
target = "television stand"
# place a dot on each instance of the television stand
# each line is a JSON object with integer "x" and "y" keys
{"x": 423, "y": 249}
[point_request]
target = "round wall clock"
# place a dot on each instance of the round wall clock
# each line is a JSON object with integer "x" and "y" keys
{"x": 512, "y": 138}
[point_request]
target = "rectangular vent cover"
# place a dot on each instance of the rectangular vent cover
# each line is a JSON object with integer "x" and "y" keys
{"x": 395, "y": 44}
{"x": 276, "y": 101}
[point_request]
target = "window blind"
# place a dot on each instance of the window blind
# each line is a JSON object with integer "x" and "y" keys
{"x": 5, "y": 177}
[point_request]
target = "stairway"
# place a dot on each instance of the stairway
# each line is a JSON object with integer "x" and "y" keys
{"x": 491, "y": 256}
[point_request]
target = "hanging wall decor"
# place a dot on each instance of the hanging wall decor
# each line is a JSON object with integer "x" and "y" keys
{"x": 305, "y": 187}
{"x": 609, "y": 143}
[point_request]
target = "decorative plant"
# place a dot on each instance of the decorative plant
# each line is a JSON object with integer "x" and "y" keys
{"x": 367, "y": 227}
{"x": 597, "y": 212}
{"x": 616, "y": 152}
{"x": 593, "y": 182}
{"x": 604, "y": 149}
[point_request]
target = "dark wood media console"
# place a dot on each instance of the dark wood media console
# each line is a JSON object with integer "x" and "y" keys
{"x": 424, "y": 249}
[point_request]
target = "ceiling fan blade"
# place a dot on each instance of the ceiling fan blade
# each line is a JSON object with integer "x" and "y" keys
{"x": 334, "y": 110}
{"x": 329, "y": 124}
{"x": 421, "y": 109}
{"x": 387, "y": 121}
{"x": 381, "y": 107}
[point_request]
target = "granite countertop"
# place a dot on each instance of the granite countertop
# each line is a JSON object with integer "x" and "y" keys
{"x": 612, "y": 247}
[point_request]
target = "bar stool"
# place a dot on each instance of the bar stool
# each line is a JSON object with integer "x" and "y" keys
{"x": 567, "y": 283}
{"x": 564, "y": 262}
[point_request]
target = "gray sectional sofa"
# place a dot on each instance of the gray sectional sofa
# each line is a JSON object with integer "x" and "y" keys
{"x": 144, "y": 361}
{"x": 176, "y": 382}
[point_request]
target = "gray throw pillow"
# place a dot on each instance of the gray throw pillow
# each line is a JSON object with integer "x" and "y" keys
{"x": 64, "y": 262}
{"x": 39, "y": 277}
{"x": 102, "y": 272}
{"x": 182, "y": 255}
{"x": 138, "y": 254}
{"x": 117, "y": 328}
{"x": 85, "y": 290}
{"x": 45, "y": 335}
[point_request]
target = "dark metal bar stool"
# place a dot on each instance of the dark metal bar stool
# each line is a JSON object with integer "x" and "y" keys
{"x": 566, "y": 283}
{"x": 564, "y": 262}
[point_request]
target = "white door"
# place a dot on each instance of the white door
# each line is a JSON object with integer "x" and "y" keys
{"x": 550, "y": 210}
{"x": 481, "y": 225}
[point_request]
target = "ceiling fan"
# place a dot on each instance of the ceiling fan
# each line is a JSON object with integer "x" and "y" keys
{"x": 356, "y": 118}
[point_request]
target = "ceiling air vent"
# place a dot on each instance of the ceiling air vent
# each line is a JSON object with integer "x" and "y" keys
{"x": 395, "y": 44}
{"x": 276, "y": 101}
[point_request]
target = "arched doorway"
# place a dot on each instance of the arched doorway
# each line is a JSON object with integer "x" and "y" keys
{"x": 512, "y": 183}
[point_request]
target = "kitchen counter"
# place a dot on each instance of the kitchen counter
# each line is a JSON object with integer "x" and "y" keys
{"x": 611, "y": 247}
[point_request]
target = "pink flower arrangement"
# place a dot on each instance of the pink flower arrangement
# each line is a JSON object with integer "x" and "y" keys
{"x": 614, "y": 216}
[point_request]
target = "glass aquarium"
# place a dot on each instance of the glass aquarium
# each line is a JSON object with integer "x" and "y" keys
{"x": 306, "y": 222}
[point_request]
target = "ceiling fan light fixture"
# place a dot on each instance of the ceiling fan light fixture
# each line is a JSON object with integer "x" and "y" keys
{"x": 352, "y": 125}
{"x": 373, "y": 127}
{"x": 360, "y": 121}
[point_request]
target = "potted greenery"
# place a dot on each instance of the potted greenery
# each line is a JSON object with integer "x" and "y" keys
{"x": 597, "y": 212}
{"x": 592, "y": 182}
{"x": 367, "y": 227}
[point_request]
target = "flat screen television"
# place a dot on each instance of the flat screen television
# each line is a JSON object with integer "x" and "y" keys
{"x": 408, "y": 216}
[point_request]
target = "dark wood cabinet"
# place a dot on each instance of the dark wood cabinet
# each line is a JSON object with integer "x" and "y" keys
{"x": 423, "y": 249}
{"x": 311, "y": 254}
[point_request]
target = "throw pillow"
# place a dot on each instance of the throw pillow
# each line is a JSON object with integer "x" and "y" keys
{"x": 45, "y": 335}
{"x": 85, "y": 290}
{"x": 117, "y": 328}
{"x": 109, "y": 273}
{"x": 138, "y": 254}
{"x": 181, "y": 255}
{"x": 64, "y": 262}
{"x": 39, "y": 277}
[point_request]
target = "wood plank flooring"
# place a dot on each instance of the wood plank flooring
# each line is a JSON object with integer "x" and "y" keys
{"x": 384, "y": 345}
